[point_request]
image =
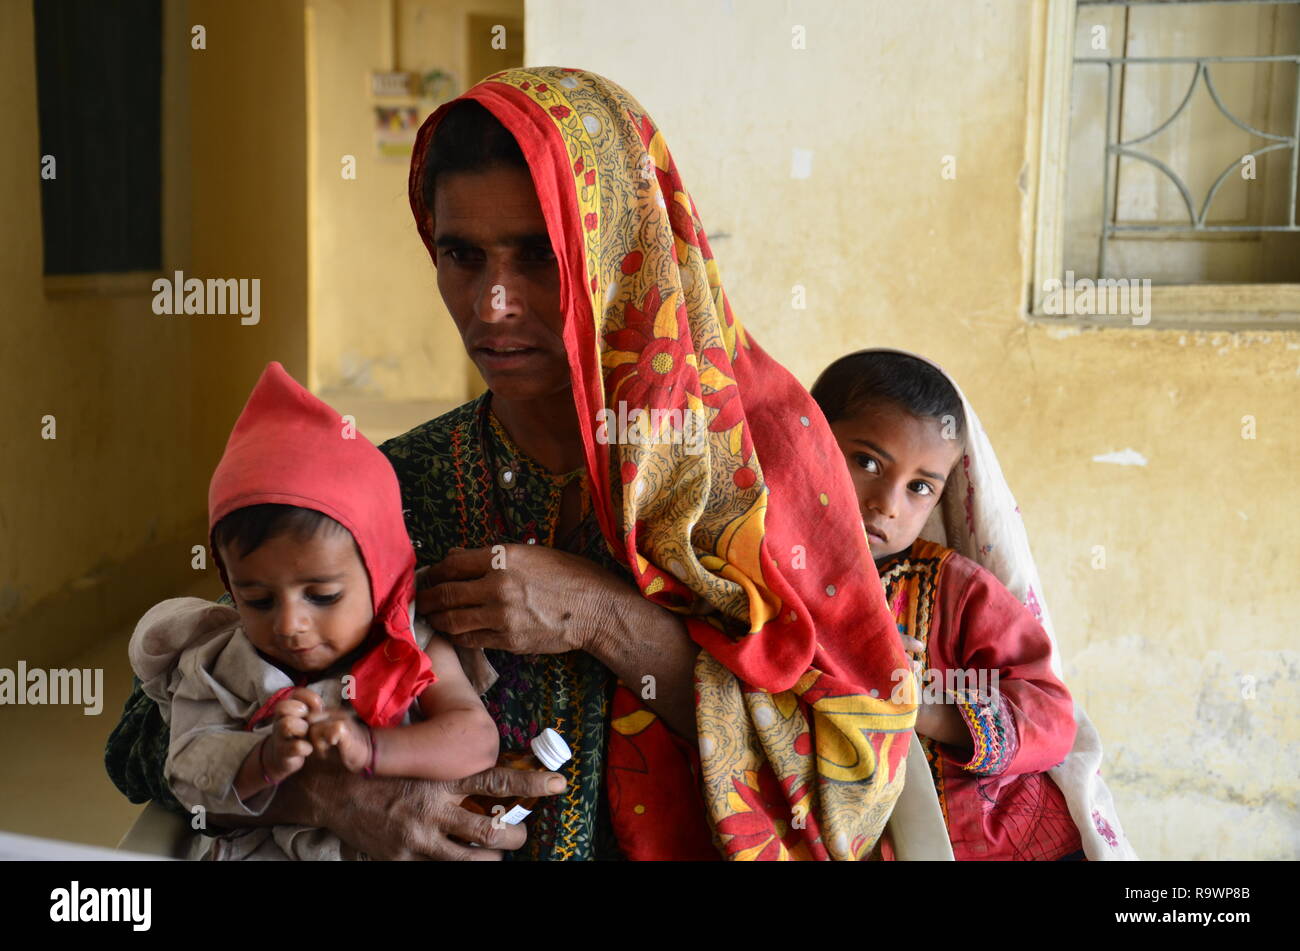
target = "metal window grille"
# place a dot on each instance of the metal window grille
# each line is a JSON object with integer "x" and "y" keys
{"x": 1201, "y": 71}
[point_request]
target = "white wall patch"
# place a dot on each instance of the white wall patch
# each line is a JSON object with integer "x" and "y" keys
{"x": 1125, "y": 457}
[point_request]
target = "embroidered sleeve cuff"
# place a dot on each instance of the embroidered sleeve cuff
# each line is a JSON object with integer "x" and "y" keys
{"x": 992, "y": 730}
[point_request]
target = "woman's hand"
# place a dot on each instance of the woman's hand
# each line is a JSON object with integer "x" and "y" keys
{"x": 412, "y": 818}
{"x": 526, "y": 599}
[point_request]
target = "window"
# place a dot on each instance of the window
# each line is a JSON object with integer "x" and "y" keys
{"x": 1169, "y": 163}
{"x": 99, "y": 81}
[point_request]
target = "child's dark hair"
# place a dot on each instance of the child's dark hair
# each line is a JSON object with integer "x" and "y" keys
{"x": 468, "y": 139}
{"x": 244, "y": 530}
{"x": 870, "y": 376}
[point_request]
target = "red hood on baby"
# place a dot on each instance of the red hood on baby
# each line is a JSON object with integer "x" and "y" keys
{"x": 290, "y": 448}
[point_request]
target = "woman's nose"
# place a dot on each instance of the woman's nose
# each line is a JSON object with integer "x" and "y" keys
{"x": 498, "y": 298}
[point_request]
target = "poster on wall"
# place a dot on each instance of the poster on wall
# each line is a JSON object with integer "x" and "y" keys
{"x": 396, "y": 123}
{"x": 395, "y": 129}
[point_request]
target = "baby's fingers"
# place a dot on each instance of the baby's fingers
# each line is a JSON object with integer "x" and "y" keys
{"x": 327, "y": 734}
{"x": 292, "y": 708}
{"x": 285, "y": 758}
{"x": 299, "y": 702}
{"x": 297, "y": 750}
{"x": 912, "y": 645}
{"x": 287, "y": 728}
{"x": 310, "y": 697}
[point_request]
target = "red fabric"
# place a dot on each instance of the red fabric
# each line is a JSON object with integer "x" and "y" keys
{"x": 266, "y": 709}
{"x": 1016, "y": 811}
{"x": 654, "y": 791}
{"x": 289, "y": 448}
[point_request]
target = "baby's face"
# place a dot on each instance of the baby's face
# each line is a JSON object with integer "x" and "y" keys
{"x": 900, "y": 464}
{"x": 304, "y": 602}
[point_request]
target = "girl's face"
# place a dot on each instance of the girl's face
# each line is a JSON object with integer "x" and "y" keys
{"x": 900, "y": 464}
{"x": 305, "y": 603}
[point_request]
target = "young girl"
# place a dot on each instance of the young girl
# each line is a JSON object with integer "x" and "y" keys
{"x": 321, "y": 654}
{"x": 1014, "y": 760}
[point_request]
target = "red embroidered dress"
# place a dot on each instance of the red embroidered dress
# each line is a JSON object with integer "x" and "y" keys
{"x": 999, "y": 802}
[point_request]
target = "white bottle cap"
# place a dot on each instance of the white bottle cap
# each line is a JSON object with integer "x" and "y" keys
{"x": 549, "y": 747}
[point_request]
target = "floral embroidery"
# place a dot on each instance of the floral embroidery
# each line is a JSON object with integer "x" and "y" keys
{"x": 1104, "y": 829}
{"x": 993, "y": 734}
{"x": 446, "y": 470}
{"x": 1031, "y": 602}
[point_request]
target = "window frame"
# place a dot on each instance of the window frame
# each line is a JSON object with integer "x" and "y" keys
{"x": 1170, "y": 306}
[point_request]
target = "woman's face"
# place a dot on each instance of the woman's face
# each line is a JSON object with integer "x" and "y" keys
{"x": 499, "y": 279}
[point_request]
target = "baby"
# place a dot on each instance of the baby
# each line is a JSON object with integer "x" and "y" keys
{"x": 321, "y": 654}
{"x": 993, "y": 717}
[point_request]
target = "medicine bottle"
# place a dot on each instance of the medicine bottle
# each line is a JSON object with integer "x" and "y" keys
{"x": 548, "y": 751}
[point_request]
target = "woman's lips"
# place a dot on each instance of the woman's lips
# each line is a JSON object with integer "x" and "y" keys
{"x": 506, "y": 358}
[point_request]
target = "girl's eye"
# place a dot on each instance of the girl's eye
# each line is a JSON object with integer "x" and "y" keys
{"x": 324, "y": 598}
{"x": 261, "y": 604}
{"x": 922, "y": 488}
{"x": 461, "y": 255}
{"x": 867, "y": 462}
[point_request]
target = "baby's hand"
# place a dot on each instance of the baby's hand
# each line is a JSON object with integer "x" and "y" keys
{"x": 286, "y": 749}
{"x": 340, "y": 733}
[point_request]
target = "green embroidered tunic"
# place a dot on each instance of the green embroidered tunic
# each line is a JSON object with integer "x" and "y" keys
{"x": 465, "y": 484}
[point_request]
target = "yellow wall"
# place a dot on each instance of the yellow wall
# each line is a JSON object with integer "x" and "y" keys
{"x": 379, "y": 329}
{"x": 248, "y": 114}
{"x": 97, "y": 524}
{"x": 1201, "y": 542}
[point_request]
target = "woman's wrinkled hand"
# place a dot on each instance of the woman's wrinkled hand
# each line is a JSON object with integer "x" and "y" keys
{"x": 393, "y": 819}
{"x": 526, "y": 599}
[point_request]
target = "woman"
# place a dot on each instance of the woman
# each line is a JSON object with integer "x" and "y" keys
{"x": 587, "y": 556}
